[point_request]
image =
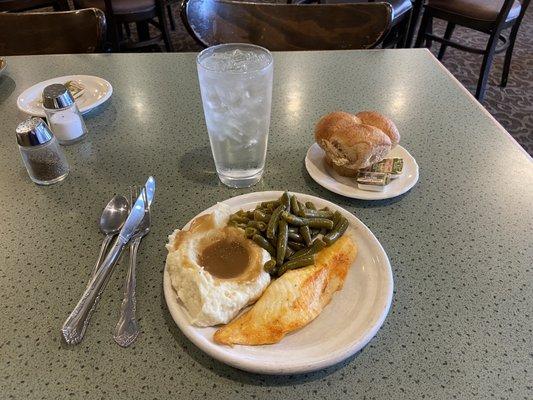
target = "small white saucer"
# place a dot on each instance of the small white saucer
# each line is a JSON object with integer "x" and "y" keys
{"x": 97, "y": 91}
{"x": 325, "y": 176}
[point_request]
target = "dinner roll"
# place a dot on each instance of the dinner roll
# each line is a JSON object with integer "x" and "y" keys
{"x": 348, "y": 146}
{"x": 382, "y": 122}
{"x": 334, "y": 122}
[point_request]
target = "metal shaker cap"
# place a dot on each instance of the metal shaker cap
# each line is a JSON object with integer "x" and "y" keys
{"x": 57, "y": 96}
{"x": 33, "y": 132}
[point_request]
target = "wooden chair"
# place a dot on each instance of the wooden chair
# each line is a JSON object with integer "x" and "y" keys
{"x": 62, "y": 32}
{"x": 287, "y": 26}
{"x": 486, "y": 16}
{"x": 121, "y": 13}
{"x": 27, "y": 5}
{"x": 401, "y": 16}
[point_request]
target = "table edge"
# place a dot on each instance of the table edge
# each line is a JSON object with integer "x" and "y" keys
{"x": 475, "y": 101}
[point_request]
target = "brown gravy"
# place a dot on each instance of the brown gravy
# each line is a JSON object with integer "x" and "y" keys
{"x": 225, "y": 258}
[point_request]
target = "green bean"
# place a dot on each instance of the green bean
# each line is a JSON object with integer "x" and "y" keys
{"x": 238, "y": 218}
{"x": 318, "y": 245}
{"x": 260, "y": 226}
{"x": 306, "y": 234}
{"x": 288, "y": 253}
{"x": 249, "y": 232}
{"x": 261, "y": 241}
{"x": 298, "y": 263}
{"x": 270, "y": 266}
{"x": 273, "y": 223}
{"x": 283, "y": 233}
{"x": 293, "y": 219}
{"x": 295, "y": 237}
{"x": 296, "y": 246}
{"x": 270, "y": 204}
{"x": 317, "y": 214}
{"x": 311, "y": 222}
{"x": 336, "y": 218}
{"x": 261, "y": 216}
{"x": 301, "y": 208}
{"x": 310, "y": 205}
{"x": 237, "y": 225}
{"x": 286, "y": 201}
{"x": 320, "y": 223}
{"x": 336, "y": 232}
{"x": 295, "y": 208}
{"x": 293, "y": 229}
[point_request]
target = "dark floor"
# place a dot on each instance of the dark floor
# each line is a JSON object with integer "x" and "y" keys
{"x": 511, "y": 106}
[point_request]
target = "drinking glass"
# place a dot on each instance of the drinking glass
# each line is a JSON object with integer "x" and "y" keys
{"x": 236, "y": 87}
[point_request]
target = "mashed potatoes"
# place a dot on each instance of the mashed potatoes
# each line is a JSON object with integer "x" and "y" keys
{"x": 232, "y": 275}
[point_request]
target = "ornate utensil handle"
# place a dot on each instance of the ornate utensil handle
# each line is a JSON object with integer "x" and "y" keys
{"x": 74, "y": 327}
{"x": 127, "y": 328}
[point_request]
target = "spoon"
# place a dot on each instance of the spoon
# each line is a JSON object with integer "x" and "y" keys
{"x": 111, "y": 221}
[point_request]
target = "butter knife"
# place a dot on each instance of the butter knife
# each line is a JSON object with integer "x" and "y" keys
{"x": 75, "y": 326}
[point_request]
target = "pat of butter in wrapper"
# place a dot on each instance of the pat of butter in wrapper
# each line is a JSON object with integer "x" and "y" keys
{"x": 392, "y": 166}
{"x": 373, "y": 181}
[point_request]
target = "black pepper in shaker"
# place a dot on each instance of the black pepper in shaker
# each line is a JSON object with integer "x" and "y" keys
{"x": 42, "y": 156}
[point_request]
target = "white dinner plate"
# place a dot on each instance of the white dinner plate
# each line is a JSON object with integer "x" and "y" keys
{"x": 346, "y": 324}
{"x": 97, "y": 91}
{"x": 326, "y": 177}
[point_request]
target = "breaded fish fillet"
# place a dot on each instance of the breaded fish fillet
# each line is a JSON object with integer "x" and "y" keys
{"x": 293, "y": 300}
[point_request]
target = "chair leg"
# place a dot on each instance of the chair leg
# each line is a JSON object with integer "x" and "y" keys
{"x": 447, "y": 35}
{"x": 128, "y": 30}
{"x": 485, "y": 67}
{"x": 429, "y": 30}
{"x": 143, "y": 31}
{"x": 171, "y": 18}
{"x": 509, "y": 55}
{"x": 415, "y": 17}
{"x": 163, "y": 25}
{"x": 404, "y": 31}
{"x": 423, "y": 29}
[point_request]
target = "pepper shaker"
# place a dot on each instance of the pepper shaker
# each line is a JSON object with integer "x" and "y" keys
{"x": 62, "y": 114}
{"x": 42, "y": 156}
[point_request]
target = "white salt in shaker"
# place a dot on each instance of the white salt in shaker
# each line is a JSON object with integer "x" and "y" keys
{"x": 62, "y": 114}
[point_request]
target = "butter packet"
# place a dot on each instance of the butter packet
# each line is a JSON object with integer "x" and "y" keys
{"x": 392, "y": 166}
{"x": 75, "y": 88}
{"x": 373, "y": 181}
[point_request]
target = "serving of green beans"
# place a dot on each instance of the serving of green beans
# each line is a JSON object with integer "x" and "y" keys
{"x": 291, "y": 231}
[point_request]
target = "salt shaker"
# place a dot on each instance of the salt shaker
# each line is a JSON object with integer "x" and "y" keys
{"x": 43, "y": 157}
{"x": 62, "y": 114}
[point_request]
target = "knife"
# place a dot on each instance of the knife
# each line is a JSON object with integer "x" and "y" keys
{"x": 75, "y": 325}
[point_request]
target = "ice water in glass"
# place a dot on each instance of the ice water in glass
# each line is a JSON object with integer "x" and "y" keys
{"x": 236, "y": 86}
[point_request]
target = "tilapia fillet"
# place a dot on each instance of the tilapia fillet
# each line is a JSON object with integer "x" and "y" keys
{"x": 293, "y": 300}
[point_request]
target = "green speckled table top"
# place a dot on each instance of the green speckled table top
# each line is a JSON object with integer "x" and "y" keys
{"x": 459, "y": 242}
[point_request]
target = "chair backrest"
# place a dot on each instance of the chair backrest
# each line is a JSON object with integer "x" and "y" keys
{"x": 63, "y": 32}
{"x": 24, "y": 5}
{"x": 287, "y": 26}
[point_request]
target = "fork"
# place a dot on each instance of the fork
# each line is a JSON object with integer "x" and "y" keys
{"x": 127, "y": 328}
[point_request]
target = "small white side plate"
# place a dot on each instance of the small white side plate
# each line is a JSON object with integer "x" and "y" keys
{"x": 345, "y": 326}
{"x": 97, "y": 91}
{"x": 326, "y": 177}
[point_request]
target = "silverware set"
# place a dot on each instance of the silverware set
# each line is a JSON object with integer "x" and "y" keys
{"x": 131, "y": 225}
